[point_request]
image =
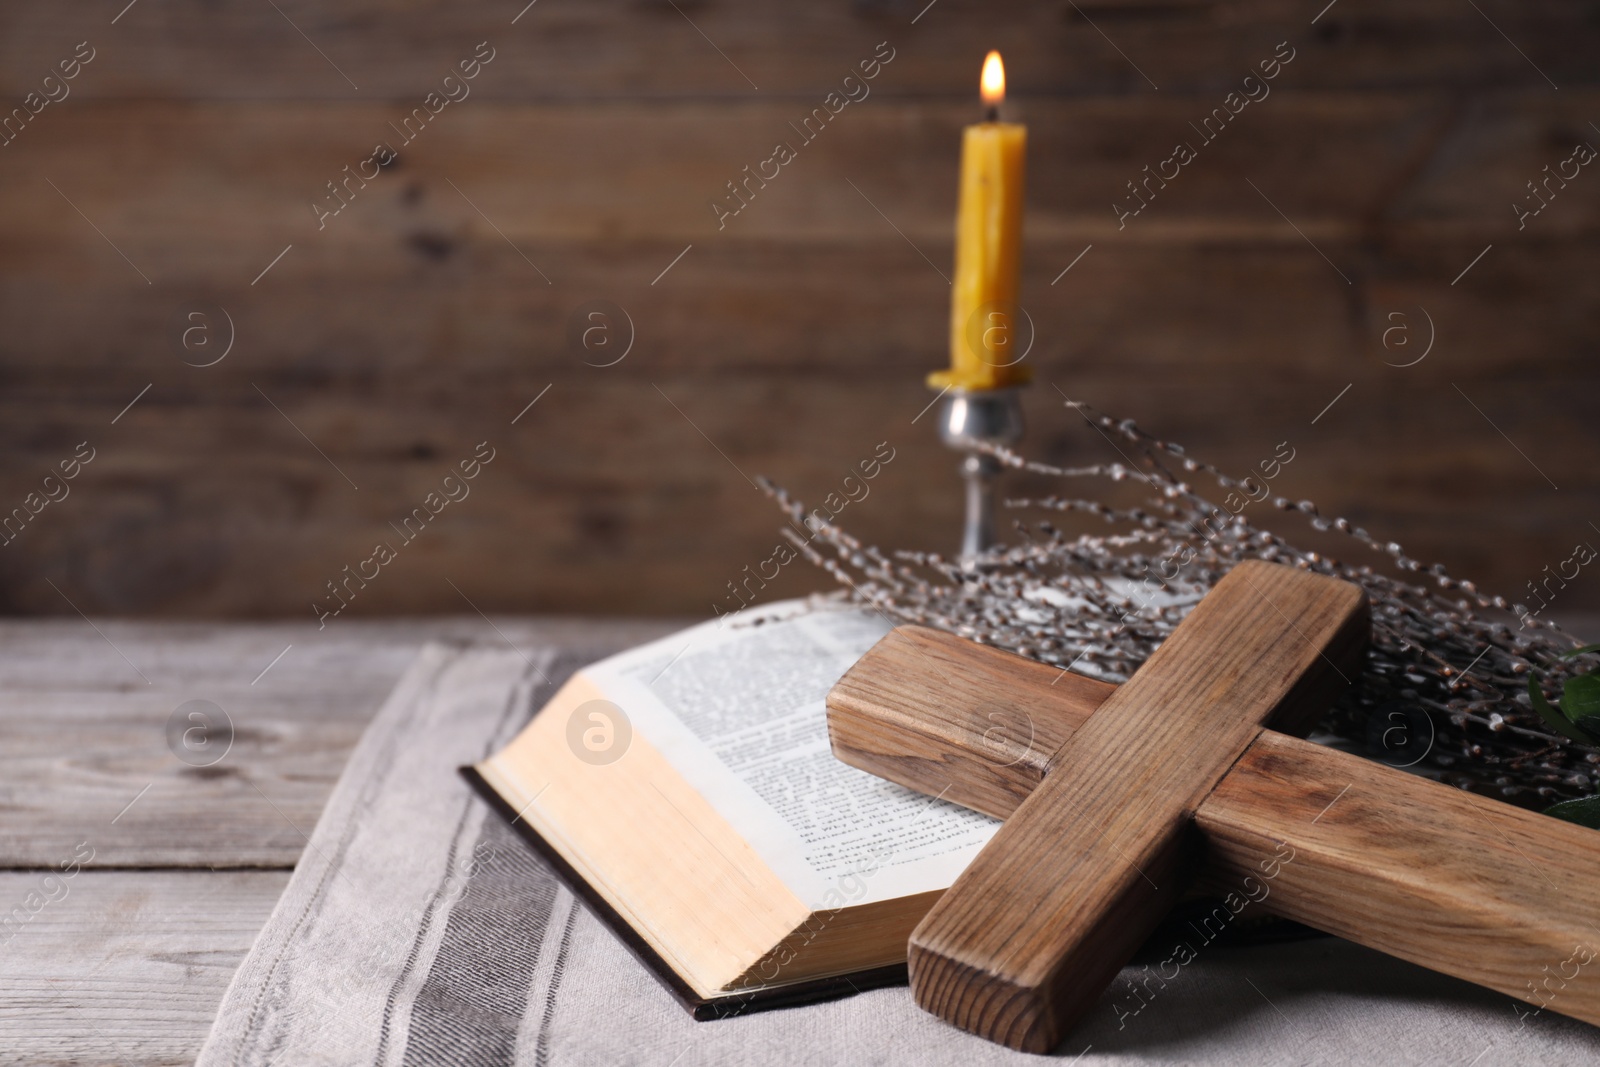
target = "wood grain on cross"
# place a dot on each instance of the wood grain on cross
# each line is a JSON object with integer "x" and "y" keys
{"x": 1118, "y": 797}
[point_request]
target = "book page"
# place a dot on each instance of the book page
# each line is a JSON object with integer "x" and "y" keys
{"x": 737, "y": 707}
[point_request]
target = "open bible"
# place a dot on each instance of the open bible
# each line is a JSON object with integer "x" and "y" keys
{"x": 686, "y": 790}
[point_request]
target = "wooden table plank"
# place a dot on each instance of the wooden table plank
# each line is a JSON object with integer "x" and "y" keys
{"x": 124, "y": 967}
{"x": 84, "y": 736}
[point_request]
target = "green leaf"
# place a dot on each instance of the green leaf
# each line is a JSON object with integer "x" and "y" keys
{"x": 1585, "y": 811}
{"x": 1580, "y": 651}
{"x": 1580, "y": 697}
{"x": 1553, "y": 718}
{"x": 1589, "y": 724}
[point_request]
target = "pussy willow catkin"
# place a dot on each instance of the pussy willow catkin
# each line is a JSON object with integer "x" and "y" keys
{"x": 1444, "y": 688}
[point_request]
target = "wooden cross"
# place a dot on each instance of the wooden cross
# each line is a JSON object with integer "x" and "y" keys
{"x": 1117, "y": 798}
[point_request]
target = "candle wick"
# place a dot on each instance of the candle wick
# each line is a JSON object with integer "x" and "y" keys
{"x": 991, "y": 113}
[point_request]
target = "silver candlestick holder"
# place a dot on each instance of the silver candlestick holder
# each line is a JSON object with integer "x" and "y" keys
{"x": 969, "y": 419}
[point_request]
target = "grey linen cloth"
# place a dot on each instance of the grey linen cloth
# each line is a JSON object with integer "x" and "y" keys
{"x": 418, "y": 929}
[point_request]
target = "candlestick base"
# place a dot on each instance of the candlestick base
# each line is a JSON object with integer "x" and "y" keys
{"x": 968, "y": 420}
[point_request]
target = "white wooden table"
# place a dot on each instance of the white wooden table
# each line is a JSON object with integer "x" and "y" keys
{"x": 128, "y": 961}
{"x": 128, "y": 966}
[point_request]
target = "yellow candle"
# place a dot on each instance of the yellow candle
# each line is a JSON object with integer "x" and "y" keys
{"x": 983, "y": 301}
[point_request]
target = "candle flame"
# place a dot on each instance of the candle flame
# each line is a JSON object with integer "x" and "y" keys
{"x": 993, "y": 82}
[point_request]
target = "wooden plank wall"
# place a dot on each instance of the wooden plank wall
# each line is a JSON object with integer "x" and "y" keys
{"x": 379, "y": 349}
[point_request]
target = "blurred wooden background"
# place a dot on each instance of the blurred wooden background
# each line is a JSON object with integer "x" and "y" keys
{"x": 419, "y": 322}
